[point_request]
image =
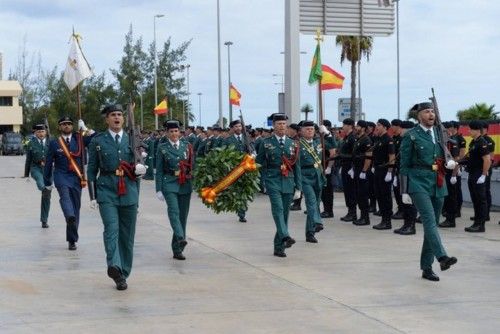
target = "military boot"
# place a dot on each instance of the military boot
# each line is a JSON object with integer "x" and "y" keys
{"x": 364, "y": 220}
{"x": 476, "y": 227}
{"x": 398, "y": 215}
{"x": 408, "y": 228}
{"x": 447, "y": 223}
{"x": 296, "y": 205}
{"x": 385, "y": 224}
{"x": 349, "y": 217}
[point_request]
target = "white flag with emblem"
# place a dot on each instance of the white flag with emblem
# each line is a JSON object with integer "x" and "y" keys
{"x": 77, "y": 68}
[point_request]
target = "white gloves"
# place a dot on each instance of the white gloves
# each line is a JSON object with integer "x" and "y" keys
{"x": 49, "y": 187}
{"x": 459, "y": 172}
{"x": 296, "y": 194}
{"x": 481, "y": 179}
{"x": 451, "y": 164}
{"x": 351, "y": 173}
{"x": 362, "y": 176}
{"x": 406, "y": 199}
{"x": 324, "y": 130}
{"x": 395, "y": 182}
{"x": 453, "y": 179}
{"x": 81, "y": 125}
{"x": 388, "y": 177}
{"x": 140, "y": 169}
{"x": 144, "y": 155}
{"x": 328, "y": 170}
{"x": 93, "y": 204}
{"x": 373, "y": 170}
{"x": 159, "y": 195}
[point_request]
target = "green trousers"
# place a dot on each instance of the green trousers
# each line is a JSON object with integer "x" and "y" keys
{"x": 119, "y": 232}
{"x": 37, "y": 175}
{"x": 312, "y": 196}
{"x": 430, "y": 211}
{"x": 178, "y": 210}
{"x": 280, "y": 208}
{"x": 150, "y": 171}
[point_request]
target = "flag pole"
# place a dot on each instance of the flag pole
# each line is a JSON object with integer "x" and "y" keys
{"x": 319, "y": 38}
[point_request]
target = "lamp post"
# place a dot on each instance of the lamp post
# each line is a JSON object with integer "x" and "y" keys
{"x": 397, "y": 56}
{"x": 228, "y": 44}
{"x": 219, "y": 65}
{"x": 155, "y": 71}
{"x": 199, "y": 109}
{"x": 282, "y": 82}
{"x": 186, "y": 115}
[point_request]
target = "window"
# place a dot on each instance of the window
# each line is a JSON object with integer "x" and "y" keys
{"x": 5, "y": 101}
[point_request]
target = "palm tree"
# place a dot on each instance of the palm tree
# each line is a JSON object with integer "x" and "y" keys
{"x": 478, "y": 111}
{"x": 353, "y": 47}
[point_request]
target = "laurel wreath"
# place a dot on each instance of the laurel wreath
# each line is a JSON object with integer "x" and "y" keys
{"x": 218, "y": 163}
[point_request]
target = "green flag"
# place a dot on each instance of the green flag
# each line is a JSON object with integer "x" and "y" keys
{"x": 316, "y": 72}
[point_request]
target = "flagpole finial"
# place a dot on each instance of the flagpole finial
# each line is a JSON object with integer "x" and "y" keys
{"x": 318, "y": 37}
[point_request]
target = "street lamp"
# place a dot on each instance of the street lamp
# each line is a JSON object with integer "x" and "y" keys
{"x": 155, "y": 71}
{"x": 397, "y": 56}
{"x": 219, "y": 65}
{"x": 282, "y": 83}
{"x": 199, "y": 109}
{"x": 228, "y": 44}
{"x": 184, "y": 117}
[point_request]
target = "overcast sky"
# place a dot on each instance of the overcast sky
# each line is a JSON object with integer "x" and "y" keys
{"x": 453, "y": 46}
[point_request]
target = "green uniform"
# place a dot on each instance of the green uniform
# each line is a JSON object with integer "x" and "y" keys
{"x": 313, "y": 181}
{"x": 418, "y": 155}
{"x": 177, "y": 195}
{"x": 280, "y": 187}
{"x": 239, "y": 145}
{"x": 118, "y": 212}
{"x": 35, "y": 162}
{"x": 150, "y": 142}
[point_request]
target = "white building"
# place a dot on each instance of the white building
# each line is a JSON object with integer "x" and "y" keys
{"x": 11, "y": 114}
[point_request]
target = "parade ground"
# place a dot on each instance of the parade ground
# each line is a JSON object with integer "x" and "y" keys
{"x": 355, "y": 280}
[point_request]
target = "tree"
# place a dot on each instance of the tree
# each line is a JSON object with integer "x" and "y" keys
{"x": 478, "y": 111}
{"x": 353, "y": 48}
{"x": 306, "y": 109}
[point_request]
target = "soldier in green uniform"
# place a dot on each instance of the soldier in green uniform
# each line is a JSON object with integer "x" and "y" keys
{"x": 174, "y": 162}
{"x": 205, "y": 145}
{"x": 150, "y": 142}
{"x": 35, "y": 161}
{"x": 422, "y": 183}
{"x": 237, "y": 140}
{"x": 114, "y": 187}
{"x": 278, "y": 156}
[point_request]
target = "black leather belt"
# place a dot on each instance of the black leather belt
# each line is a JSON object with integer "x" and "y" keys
{"x": 171, "y": 172}
{"x": 425, "y": 167}
{"x": 307, "y": 167}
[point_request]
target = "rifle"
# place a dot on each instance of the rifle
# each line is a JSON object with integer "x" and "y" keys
{"x": 249, "y": 146}
{"x": 442, "y": 134}
{"x": 134, "y": 134}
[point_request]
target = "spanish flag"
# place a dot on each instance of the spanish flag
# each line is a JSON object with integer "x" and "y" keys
{"x": 162, "y": 108}
{"x": 234, "y": 96}
{"x": 331, "y": 79}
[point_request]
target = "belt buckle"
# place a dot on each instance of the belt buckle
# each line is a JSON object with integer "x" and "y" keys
{"x": 316, "y": 165}
{"x": 282, "y": 167}
{"x": 435, "y": 167}
{"x": 177, "y": 172}
{"x": 119, "y": 172}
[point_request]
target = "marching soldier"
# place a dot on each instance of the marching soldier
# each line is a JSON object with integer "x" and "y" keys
{"x": 174, "y": 164}
{"x": 383, "y": 163}
{"x": 422, "y": 164}
{"x": 294, "y": 134}
{"x": 327, "y": 193}
{"x": 35, "y": 161}
{"x": 347, "y": 173}
{"x": 278, "y": 155}
{"x": 462, "y": 145}
{"x": 237, "y": 139}
{"x": 370, "y": 132}
{"x": 478, "y": 167}
{"x": 150, "y": 142}
{"x": 491, "y": 148}
{"x": 114, "y": 188}
{"x": 397, "y": 132}
{"x": 362, "y": 155}
{"x": 64, "y": 157}
{"x": 206, "y": 144}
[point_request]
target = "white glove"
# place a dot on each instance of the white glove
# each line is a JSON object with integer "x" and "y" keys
{"x": 140, "y": 169}
{"x": 388, "y": 177}
{"x": 362, "y": 176}
{"x": 373, "y": 170}
{"x": 459, "y": 172}
{"x": 296, "y": 194}
{"x": 144, "y": 155}
{"x": 159, "y": 195}
{"x": 324, "y": 130}
{"x": 481, "y": 179}
{"x": 453, "y": 179}
{"x": 93, "y": 204}
{"x": 406, "y": 199}
{"x": 351, "y": 173}
{"x": 49, "y": 187}
{"x": 395, "y": 182}
{"x": 81, "y": 125}
{"x": 451, "y": 164}
{"x": 328, "y": 170}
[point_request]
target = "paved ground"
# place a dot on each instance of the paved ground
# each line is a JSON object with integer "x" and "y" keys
{"x": 356, "y": 280}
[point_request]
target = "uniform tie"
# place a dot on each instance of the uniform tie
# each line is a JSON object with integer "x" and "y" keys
{"x": 239, "y": 139}
{"x": 67, "y": 140}
{"x": 117, "y": 139}
{"x": 429, "y": 133}
{"x": 281, "y": 142}
{"x": 175, "y": 145}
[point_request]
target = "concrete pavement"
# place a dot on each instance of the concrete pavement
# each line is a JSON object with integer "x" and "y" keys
{"x": 356, "y": 280}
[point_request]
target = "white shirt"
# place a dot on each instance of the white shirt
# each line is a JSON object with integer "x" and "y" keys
{"x": 432, "y": 132}
{"x": 67, "y": 137}
{"x": 113, "y": 135}
{"x": 278, "y": 137}
{"x": 174, "y": 143}
{"x": 238, "y": 137}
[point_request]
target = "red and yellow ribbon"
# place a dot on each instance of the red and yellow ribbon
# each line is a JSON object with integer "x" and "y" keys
{"x": 209, "y": 194}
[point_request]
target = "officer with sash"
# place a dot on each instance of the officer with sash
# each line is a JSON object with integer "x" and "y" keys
{"x": 237, "y": 140}
{"x": 174, "y": 162}
{"x": 114, "y": 187}
{"x": 35, "y": 161}
{"x": 422, "y": 182}
{"x": 64, "y": 157}
{"x": 278, "y": 155}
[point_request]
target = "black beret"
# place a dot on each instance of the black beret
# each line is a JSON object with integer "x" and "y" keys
{"x": 446, "y": 125}
{"x": 294, "y": 126}
{"x": 268, "y": 130}
{"x": 362, "y": 124}
{"x": 476, "y": 125}
{"x": 384, "y": 122}
{"x": 199, "y": 127}
{"x": 209, "y": 128}
{"x": 327, "y": 123}
{"x": 191, "y": 127}
{"x": 37, "y": 127}
{"x": 65, "y": 119}
{"x": 279, "y": 116}
{"x": 396, "y": 122}
{"x": 172, "y": 124}
{"x": 407, "y": 124}
{"x": 233, "y": 123}
{"x": 370, "y": 124}
{"x": 422, "y": 106}
{"x": 455, "y": 124}
{"x": 306, "y": 123}
{"x": 485, "y": 124}
{"x": 216, "y": 128}
{"x": 110, "y": 108}
{"x": 348, "y": 121}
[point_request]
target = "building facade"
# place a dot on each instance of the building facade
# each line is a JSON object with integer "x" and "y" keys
{"x": 11, "y": 113}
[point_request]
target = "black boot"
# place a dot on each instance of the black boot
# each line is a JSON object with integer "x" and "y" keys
{"x": 296, "y": 205}
{"x": 377, "y": 213}
{"x": 364, "y": 220}
{"x": 408, "y": 228}
{"x": 385, "y": 224}
{"x": 349, "y": 217}
{"x": 398, "y": 215}
{"x": 477, "y": 227}
{"x": 447, "y": 223}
